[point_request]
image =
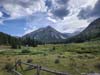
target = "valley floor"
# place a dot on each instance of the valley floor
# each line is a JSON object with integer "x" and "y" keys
{"x": 74, "y": 58}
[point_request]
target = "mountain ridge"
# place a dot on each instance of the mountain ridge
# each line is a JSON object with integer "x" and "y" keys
{"x": 47, "y": 34}
{"x": 91, "y": 32}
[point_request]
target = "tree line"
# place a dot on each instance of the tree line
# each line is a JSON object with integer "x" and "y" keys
{"x": 17, "y": 42}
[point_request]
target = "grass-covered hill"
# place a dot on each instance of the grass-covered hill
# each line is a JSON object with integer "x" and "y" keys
{"x": 90, "y": 33}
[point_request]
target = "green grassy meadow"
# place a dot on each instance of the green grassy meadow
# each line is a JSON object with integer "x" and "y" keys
{"x": 74, "y": 58}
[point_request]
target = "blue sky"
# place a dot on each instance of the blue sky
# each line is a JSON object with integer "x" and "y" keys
{"x": 67, "y": 16}
{"x": 13, "y": 27}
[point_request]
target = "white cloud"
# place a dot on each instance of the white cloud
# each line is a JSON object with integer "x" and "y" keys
{"x": 1, "y": 14}
{"x": 91, "y": 3}
{"x": 71, "y": 24}
{"x": 51, "y": 19}
{"x": 22, "y": 8}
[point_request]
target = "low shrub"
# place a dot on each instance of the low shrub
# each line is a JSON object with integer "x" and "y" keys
{"x": 25, "y": 51}
{"x": 97, "y": 66}
{"x": 45, "y": 54}
{"x": 57, "y": 61}
{"x": 1, "y": 52}
{"x": 8, "y": 67}
{"x": 29, "y": 60}
{"x": 54, "y": 48}
{"x": 35, "y": 53}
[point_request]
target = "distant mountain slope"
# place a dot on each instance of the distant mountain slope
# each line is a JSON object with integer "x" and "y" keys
{"x": 47, "y": 35}
{"x": 91, "y": 32}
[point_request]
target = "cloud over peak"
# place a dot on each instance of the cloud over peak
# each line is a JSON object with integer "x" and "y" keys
{"x": 90, "y": 12}
{"x": 64, "y": 15}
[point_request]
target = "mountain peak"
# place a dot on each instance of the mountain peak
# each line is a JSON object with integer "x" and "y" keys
{"x": 47, "y": 34}
{"x": 49, "y": 27}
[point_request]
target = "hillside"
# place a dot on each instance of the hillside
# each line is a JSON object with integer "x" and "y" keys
{"x": 90, "y": 33}
{"x": 5, "y": 38}
{"x": 8, "y": 40}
